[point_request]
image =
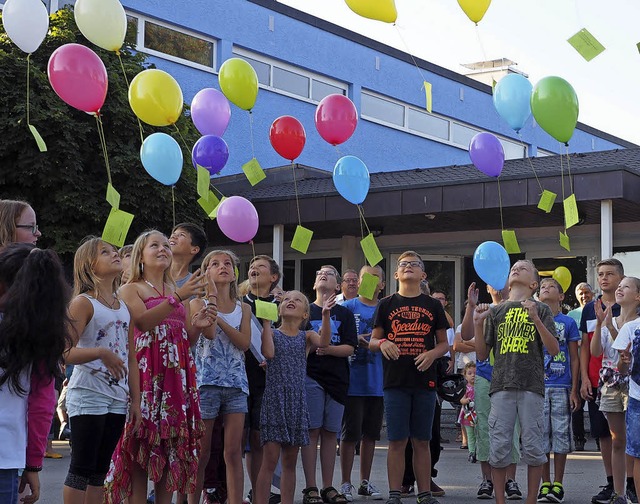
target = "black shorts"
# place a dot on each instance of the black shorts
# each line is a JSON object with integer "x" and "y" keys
{"x": 597, "y": 421}
{"x": 252, "y": 419}
{"x": 362, "y": 418}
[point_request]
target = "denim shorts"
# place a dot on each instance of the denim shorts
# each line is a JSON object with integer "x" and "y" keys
{"x": 81, "y": 401}
{"x": 9, "y": 485}
{"x": 409, "y": 413}
{"x": 558, "y": 437}
{"x": 215, "y": 401}
{"x": 324, "y": 410}
{"x": 633, "y": 428}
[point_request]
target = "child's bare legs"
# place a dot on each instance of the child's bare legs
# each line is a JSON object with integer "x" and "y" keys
{"x": 328, "y": 442}
{"x": 205, "y": 451}
{"x": 270, "y": 455}
{"x": 559, "y": 463}
{"x": 618, "y": 441}
{"x": 499, "y": 479}
{"x": 288, "y": 477}
{"x": 309, "y": 457}
{"x": 138, "y": 485}
{"x": 233, "y": 427}
{"x": 421, "y": 464}
{"x": 636, "y": 472}
{"x": 254, "y": 457}
{"x": 395, "y": 463}
{"x": 534, "y": 474}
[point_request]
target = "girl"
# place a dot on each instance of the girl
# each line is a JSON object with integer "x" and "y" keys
{"x": 468, "y": 416}
{"x": 17, "y": 223}
{"x": 284, "y": 421}
{"x": 33, "y": 301}
{"x": 99, "y": 388}
{"x": 222, "y": 378}
{"x": 613, "y": 385}
{"x": 165, "y": 446}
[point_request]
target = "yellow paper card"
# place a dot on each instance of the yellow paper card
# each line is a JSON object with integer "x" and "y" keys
{"x": 203, "y": 182}
{"x": 214, "y": 212}
{"x": 547, "y": 199}
{"x": 301, "y": 239}
{"x": 368, "y": 286}
{"x": 494, "y": 83}
{"x": 427, "y": 91}
{"x": 571, "y": 217}
{"x": 586, "y": 44}
{"x": 564, "y": 241}
{"x": 638, "y": 46}
{"x": 113, "y": 197}
{"x": 265, "y": 310}
{"x": 253, "y": 171}
{"x": 210, "y": 203}
{"x": 510, "y": 241}
{"x": 42, "y": 146}
{"x": 117, "y": 226}
{"x": 371, "y": 250}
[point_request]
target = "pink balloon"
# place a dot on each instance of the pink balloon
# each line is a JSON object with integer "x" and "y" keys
{"x": 238, "y": 219}
{"x": 336, "y": 118}
{"x": 79, "y": 77}
{"x": 210, "y": 112}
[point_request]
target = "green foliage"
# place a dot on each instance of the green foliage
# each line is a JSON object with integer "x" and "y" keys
{"x": 67, "y": 185}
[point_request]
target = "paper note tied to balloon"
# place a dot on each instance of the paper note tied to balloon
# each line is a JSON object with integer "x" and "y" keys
{"x": 368, "y": 285}
{"x": 547, "y": 199}
{"x": 510, "y": 241}
{"x": 586, "y": 44}
{"x": 371, "y": 250}
{"x": 209, "y": 203}
{"x": 42, "y": 146}
{"x": 214, "y": 212}
{"x": 301, "y": 239}
{"x": 204, "y": 177}
{"x": 266, "y": 310}
{"x": 253, "y": 171}
{"x": 564, "y": 241}
{"x": 428, "y": 92}
{"x": 117, "y": 226}
{"x": 113, "y": 197}
{"x": 571, "y": 216}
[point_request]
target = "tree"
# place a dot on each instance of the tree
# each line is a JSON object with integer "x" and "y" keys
{"x": 67, "y": 184}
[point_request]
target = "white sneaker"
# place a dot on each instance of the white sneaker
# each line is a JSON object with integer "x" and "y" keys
{"x": 368, "y": 489}
{"x": 347, "y": 490}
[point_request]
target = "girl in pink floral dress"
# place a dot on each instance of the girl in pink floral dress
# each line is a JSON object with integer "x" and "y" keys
{"x": 165, "y": 447}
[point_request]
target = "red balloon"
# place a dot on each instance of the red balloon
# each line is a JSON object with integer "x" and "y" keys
{"x": 287, "y": 137}
{"x": 336, "y": 118}
{"x": 79, "y": 77}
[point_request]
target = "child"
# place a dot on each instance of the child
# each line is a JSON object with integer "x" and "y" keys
{"x": 284, "y": 420}
{"x": 560, "y": 393}
{"x": 99, "y": 388}
{"x": 222, "y": 379}
{"x": 125, "y": 259}
{"x": 613, "y": 384}
{"x": 468, "y": 415}
{"x": 166, "y": 445}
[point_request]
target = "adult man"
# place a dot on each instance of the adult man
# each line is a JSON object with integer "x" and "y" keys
{"x": 348, "y": 286}
{"x": 188, "y": 242}
{"x": 584, "y": 295}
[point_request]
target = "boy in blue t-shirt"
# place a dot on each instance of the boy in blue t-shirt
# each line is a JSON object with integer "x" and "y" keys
{"x": 561, "y": 374}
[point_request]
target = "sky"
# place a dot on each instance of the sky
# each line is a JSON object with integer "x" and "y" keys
{"x": 532, "y": 33}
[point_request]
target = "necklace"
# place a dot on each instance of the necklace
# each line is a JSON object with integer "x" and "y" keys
{"x": 154, "y": 288}
{"x": 110, "y": 305}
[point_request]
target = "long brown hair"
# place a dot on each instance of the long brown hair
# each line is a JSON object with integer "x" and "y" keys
{"x": 10, "y": 211}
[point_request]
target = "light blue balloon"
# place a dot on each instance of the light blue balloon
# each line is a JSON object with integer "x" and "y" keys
{"x": 351, "y": 179}
{"x": 512, "y": 99}
{"x": 161, "y": 156}
{"x": 491, "y": 262}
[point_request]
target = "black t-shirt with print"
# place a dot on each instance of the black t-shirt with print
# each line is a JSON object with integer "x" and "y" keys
{"x": 411, "y": 323}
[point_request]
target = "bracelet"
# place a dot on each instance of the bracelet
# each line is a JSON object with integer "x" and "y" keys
{"x": 33, "y": 468}
{"x": 179, "y": 296}
{"x": 381, "y": 341}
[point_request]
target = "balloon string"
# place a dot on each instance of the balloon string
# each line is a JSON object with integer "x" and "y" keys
{"x": 409, "y": 52}
{"x": 124, "y": 74}
{"x": 361, "y": 210}
{"x": 484, "y": 54}
{"x": 253, "y": 248}
{"x": 361, "y": 227}
{"x": 173, "y": 204}
{"x": 562, "y": 176}
{"x": 28, "y": 67}
{"x": 531, "y": 164}
{"x": 216, "y": 190}
{"x": 338, "y": 151}
{"x": 253, "y": 152}
{"x": 569, "y": 169}
{"x": 184, "y": 142}
{"x": 295, "y": 187}
{"x": 103, "y": 144}
{"x": 500, "y": 204}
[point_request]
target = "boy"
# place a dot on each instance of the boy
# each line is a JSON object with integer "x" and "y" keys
{"x": 516, "y": 330}
{"x": 188, "y": 243}
{"x": 410, "y": 330}
{"x": 561, "y": 391}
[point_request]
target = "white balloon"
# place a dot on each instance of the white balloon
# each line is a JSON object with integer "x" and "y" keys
{"x": 26, "y": 23}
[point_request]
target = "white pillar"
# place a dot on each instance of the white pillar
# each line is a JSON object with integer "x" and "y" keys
{"x": 278, "y": 246}
{"x": 606, "y": 229}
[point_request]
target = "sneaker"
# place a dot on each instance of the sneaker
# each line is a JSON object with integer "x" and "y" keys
{"x": 619, "y": 499}
{"x": 556, "y": 494}
{"x": 393, "y": 500}
{"x": 545, "y": 488}
{"x": 604, "y": 496}
{"x": 486, "y": 490}
{"x": 436, "y": 490}
{"x": 631, "y": 494}
{"x": 347, "y": 490}
{"x": 151, "y": 498}
{"x": 369, "y": 490}
{"x": 512, "y": 490}
{"x": 212, "y": 496}
{"x": 429, "y": 499}
{"x": 406, "y": 490}
{"x": 248, "y": 498}
{"x": 274, "y": 498}
{"x": 580, "y": 444}
{"x": 472, "y": 458}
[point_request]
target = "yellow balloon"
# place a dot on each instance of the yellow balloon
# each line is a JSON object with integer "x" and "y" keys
{"x": 239, "y": 83}
{"x": 155, "y": 97}
{"x": 475, "y": 9}
{"x": 563, "y": 276}
{"x": 380, "y": 10}
{"x": 103, "y": 22}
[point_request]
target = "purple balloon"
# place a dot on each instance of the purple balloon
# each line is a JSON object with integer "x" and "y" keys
{"x": 238, "y": 219}
{"x": 487, "y": 154}
{"x": 210, "y": 152}
{"x": 210, "y": 112}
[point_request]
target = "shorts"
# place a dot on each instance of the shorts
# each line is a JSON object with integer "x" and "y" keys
{"x": 598, "y": 425}
{"x": 362, "y": 418}
{"x": 507, "y": 407}
{"x": 324, "y": 410}
{"x": 633, "y": 428}
{"x": 215, "y": 401}
{"x": 409, "y": 413}
{"x": 9, "y": 485}
{"x": 254, "y": 405}
{"x": 558, "y": 437}
{"x": 614, "y": 399}
{"x": 81, "y": 401}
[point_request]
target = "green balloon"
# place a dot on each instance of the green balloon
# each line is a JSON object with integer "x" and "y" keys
{"x": 554, "y": 105}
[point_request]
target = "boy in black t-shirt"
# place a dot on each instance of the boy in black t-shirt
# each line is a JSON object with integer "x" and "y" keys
{"x": 410, "y": 329}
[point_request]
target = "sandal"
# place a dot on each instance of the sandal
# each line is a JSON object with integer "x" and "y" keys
{"x": 308, "y": 498}
{"x": 331, "y": 496}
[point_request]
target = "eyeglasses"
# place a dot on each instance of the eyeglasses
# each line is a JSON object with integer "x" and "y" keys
{"x": 32, "y": 227}
{"x": 325, "y": 272}
{"x": 350, "y": 280}
{"x": 413, "y": 264}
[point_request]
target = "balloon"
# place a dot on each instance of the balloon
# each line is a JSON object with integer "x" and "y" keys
{"x": 336, "y": 118}
{"x": 155, "y": 97}
{"x": 103, "y": 22}
{"x": 79, "y": 77}
{"x": 381, "y": 10}
{"x": 512, "y": 99}
{"x": 487, "y": 154}
{"x": 238, "y": 219}
{"x": 287, "y": 137}
{"x": 162, "y": 158}
{"x": 475, "y": 9}
{"x": 239, "y": 83}
{"x": 563, "y": 276}
{"x": 351, "y": 178}
{"x": 210, "y": 152}
{"x": 26, "y": 23}
{"x": 491, "y": 262}
{"x": 554, "y": 104}
{"x": 210, "y": 112}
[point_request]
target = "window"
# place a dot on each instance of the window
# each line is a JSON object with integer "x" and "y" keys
{"x": 263, "y": 70}
{"x": 462, "y": 135}
{"x": 544, "y": 153}
{"x": 424, "y": 122}
{"x": 291, "y": 82}
{"x": 382, "y": 109}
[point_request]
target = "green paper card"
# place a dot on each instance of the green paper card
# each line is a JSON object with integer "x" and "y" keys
{"x": 253, "y": 171}
{"x": 210, "y": 203}
{"x": 301, "y": 239}
{"x": 203, "y": 182}
{"x": 371, "y": 250}
{"x": 427, "y": 91}
{"x": 214, "y": 212}
{"x": 113, "y": 197}
{"x": 638, "y": 46}
{"x": 265, "y": 310}
{"x": 39, "y": 140}
{"x": 564, "y": 241}
{"x": 117, "y": 226}
{"x": 571, "y": 217}
{"x": 586, "y": 44}
{"x": 547, "y": 199}
{"x": 510, "y": 241}
{"x": 368, "y": 286}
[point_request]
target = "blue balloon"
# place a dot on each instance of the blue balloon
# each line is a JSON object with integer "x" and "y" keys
{"x": 210, "y": 152}
{"x": 491, "y": 262}
{"x": 161, "y": 156}
{"x": 512, "y": 99}
{"x": 351, "y": 179}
